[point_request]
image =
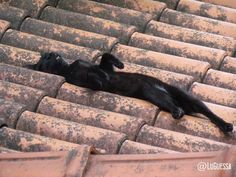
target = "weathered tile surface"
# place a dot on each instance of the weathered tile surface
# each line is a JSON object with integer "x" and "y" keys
{"x": 180, "y": 80}
{"x": 220, "y": 79}
{"x": 131, "y": 147}
{"x": 17, "y": 56}
{"x": 214, "y": 94}
{"x": 91, "y": 116}
{"x": 41, "y": 44}
{"x": 23, "y": 141}
{"x": 227, "y": 113}
{"x": 88, "y": 23}
{"x": 194, "y": 126}
{"x": 207, "y": 10}
{"x": 108, "y": 101}
{"x": 21, "y": 94}
{"x": 162, "y": 61}
{"x": 70, "y": 131}
{"x": 177, "y": 141}
{"x": 199, "y": 23}
{"x": 47, "y": 164}
{"x": 148, "y": 6}
{"x": 34, "y": 79}
{"x": 210, "y": 55}
{"x": 226, "y": 3}
{"x": 34, "y": 7}
{"x": 191, "y": 36}
{"x": 229, "y": 65}
{"x": 69, "y": 35}
{"x": 12, "y": 14}
{"x": 109, "y": 12}
{"x": 4, "y": 25}
{"x": 10, "y": 112}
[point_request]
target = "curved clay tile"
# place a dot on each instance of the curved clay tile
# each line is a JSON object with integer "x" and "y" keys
{"x": 88, "y": 23}
{"x": 191, "y": 36}
{"x": 197, "y": 52}
{"x": 194, "y": 126}
{"x": 109, "y": 12}
{"x": 177, "y": 141}
{"x": 108, "y": 101}
{"x": 70, "y": 131}
{"x": 207, "y": 10}
{"x": 67, "y": 34}
{"x": 91, "y": 116}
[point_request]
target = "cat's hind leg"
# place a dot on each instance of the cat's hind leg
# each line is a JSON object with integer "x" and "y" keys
{"x": 163, "y": 100}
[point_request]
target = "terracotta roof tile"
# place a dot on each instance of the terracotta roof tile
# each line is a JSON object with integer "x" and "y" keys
{"x": 193, "y": 126}
{"x": 109, "y": 12}
{"x": 177, "y": 141}
{"x": 191, "y": 36}
{"x": 226, "y": 3}
{"x": 40, "y": 44}
{"x": 107, "y": 101}
{"x": 67, "y": 34}
{"x": 17, "y": 56}
{"x": 152, "y": 165}
{"x": 88, "y": 23}
{"x": 181, "y": 80}
{"x": 148, "y": 6}
{"x": 91, "y": 116}
{"x": 28, "y": 142}
{"x": 220, "y": 79}
{"x": 131, "y": 147}
{"x": 228, "y": 113}
{"x": 10, "y": 112}
{"x": 229, "y": 65}
{"x": 198, "y": 23}
{"x": 210, "y": 55}
{"x": 207, "y": 10}
{"x": 81, "y": 163}
{"x": 21, "y": 94}
{"x": 53, "y": 164}
{"x": 4, "y": 25}
{"x": 172, "y": 4}
{"x": 34, "y": 7}
{"x": 39, "y": 80}
{"x": 217, "y": 95}
{"x": 13, "y": 15}
{"x": 70, "y": 131}
{"x": 162, "y": 61}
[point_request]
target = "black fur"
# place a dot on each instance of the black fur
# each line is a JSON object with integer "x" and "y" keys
{"x": 103, "y": 77}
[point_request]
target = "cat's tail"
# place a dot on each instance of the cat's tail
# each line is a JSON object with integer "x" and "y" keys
{"x": 191, "y": 104}
{"x": 201, "y": 108}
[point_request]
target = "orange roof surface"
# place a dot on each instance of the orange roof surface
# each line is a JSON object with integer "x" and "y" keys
{"x": 187, "y": 43}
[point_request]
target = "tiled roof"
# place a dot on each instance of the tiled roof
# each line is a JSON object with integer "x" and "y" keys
{"x": 79, "y": 163}
{"x": 187, "y": 43}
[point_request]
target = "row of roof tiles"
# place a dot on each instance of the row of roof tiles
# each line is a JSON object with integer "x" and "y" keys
{"x": 129, "y": 125}
{"x": 180, "y": 55}
{"x": 79, "y": 163}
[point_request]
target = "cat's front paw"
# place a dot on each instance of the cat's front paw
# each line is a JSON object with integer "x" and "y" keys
{"x": 226, "y": 127}
{"x": 178, "y": 113}
{"x": 119, "y": 65}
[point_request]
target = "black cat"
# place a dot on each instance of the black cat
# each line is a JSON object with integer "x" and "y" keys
{"x": 103, "y": 77}
{"x": 79, "y": 73}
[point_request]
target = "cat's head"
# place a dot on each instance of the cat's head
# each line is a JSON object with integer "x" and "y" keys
{"x": 50, "y": 63}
